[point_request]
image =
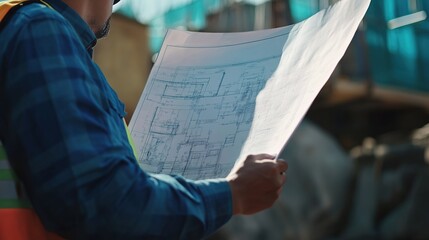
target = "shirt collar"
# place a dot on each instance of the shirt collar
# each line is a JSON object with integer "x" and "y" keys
{"x": 81, "y": 27}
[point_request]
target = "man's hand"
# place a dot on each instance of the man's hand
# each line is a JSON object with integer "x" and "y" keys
{"x": 256, "y": 184}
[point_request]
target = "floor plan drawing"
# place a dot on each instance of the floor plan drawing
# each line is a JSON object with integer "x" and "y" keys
{"x": 195, "y": 116}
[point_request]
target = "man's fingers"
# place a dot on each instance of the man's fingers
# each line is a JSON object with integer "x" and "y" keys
{"x": 283, "y": 177}
{"x": 257, "y": 183}
{"x": 282, "y": 166}
{"x": 263, "y": 156}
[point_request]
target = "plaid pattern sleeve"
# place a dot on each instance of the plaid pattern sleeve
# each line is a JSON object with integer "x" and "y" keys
{"x": 61, "y": 124}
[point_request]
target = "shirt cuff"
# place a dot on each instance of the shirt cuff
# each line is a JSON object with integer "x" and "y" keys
{"x": 217, "y": 198}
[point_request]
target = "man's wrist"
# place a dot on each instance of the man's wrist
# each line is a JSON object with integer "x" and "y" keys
{"x": 236, "y": 206}
{"x": 217, "y": 195}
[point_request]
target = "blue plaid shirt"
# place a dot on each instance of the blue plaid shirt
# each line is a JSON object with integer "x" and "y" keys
{"x": 62, "y": 127}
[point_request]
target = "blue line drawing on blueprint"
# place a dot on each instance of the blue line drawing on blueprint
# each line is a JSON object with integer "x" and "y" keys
{"x": 193, "y": 117}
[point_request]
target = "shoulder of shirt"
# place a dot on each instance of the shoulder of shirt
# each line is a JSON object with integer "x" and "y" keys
{"x": 36, "y": 12}
{"x": 24, "y": 18}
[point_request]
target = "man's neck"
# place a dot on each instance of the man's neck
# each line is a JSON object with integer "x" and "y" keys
{"x": 94, "y": 12}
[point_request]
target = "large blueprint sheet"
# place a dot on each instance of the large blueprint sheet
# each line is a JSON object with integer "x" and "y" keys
{"x": 213, "y": 98}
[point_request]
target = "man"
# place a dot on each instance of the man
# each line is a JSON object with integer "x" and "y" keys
{"x": 62, "y": 127}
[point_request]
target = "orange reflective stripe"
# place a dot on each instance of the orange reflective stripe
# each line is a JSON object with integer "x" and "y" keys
{"x": 22, "y": 224}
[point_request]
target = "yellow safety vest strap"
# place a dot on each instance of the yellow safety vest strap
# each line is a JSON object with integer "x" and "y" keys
{"x": 6, "y": 7}
{"x": 130, "y": 139}
{"x": 9, "y": 7}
